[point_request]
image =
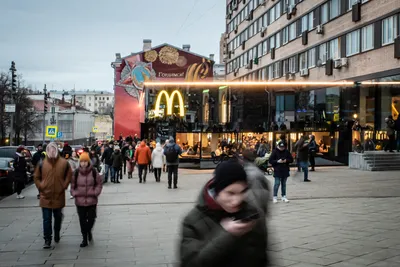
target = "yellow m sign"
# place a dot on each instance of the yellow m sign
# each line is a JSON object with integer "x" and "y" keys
{"x": 170, "y": 103}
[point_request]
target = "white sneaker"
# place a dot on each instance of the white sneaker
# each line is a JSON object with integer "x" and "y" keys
{"x": 284, "y": 199}
{"x": 275, "y": 200}
{"x": 71, "y": 197}
{"x": 20, "y": 197}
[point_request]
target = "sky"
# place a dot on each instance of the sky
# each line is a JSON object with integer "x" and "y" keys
{"x": 71, "y": 44}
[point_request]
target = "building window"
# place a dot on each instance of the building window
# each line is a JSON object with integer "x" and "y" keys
{"x": 277, "y": 10}
{"x": 353, "y": 43}
{"x": 278, "y": 39}
{"x": 270, "y": 72}
{"x": 265, "y": 21}
{"x": 334, "y": 8}
{"x": 311, "y": 58}
{"x": 264, "y": 49}
{"x": 323, "y": 53}
{"x": 304, "y": 23}
{"x": 351, "y": 3}
{"x": 310, "y": 20}
{"x": 389, "y": 30}
{"x": 292, "y": 64}
{"x": 334, "y": 49}
{"x": 285, "y": 66}
{"x": 277, "y": 70}
{"x": 292, "y": 31}
{"x": 285, "y": 33}
{"x": 95, "y": 98}
{"x": 303, "y": 61}
{"x": 271, "y": 42}
{"x": 324, "y": 13}
{"x": 367, "y": 34}
{"x": 272, "y": 15}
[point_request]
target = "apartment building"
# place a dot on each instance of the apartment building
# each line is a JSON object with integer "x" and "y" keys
{"x": 316, "y": 40}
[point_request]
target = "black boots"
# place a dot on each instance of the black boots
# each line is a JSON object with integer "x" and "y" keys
{"x": 47, "y": 244}
{"x": 57, "y": 237}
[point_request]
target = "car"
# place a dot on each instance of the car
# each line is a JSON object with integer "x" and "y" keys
{"x": 78, "y": 149}
{"x": 6, "y": 176}
{"x": 9, "y": 152}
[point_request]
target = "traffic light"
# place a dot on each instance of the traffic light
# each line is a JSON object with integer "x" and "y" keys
{"x": 13, "y": 76}
{"x": 256, "y": 61}
{"x": 45, "y": 102}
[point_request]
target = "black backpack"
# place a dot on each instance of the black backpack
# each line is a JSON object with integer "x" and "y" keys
{"x": 94, "y": 174}
{"x": 171, "y": 154}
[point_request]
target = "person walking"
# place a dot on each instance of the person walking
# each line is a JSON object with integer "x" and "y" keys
{"x": 143, "y": 159}
{"x": 227, "y": 227}
{"x": 95, "y": 160}
{"x": 74, "y": 164}
{"x": 390, "y": 131}
{"x": 106, "y": 158}
{"x": 117, "y": 162}
{"x": 20, "y": 169}
{"x": 313, "y": 149}
{"x": 52, "y": 178}
{"x": 302, "y": 147}
{"x": 86, "y": 186}
{"x": 172, "y": 152}
{"x": 280, "y": 160}
{"x": 158, "y": 161}
{"x": 130, "y": 158}
{"x": 123, "y": 151}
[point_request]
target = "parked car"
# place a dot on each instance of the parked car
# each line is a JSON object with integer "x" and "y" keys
{"x": 6, "y": 176}
{"x": 9, "y": 152}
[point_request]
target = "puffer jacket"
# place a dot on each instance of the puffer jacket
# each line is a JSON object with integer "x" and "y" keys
{"x": 52, "y": 178}
{"x": 117, "y": 159}
{"x": 84, "y": 189}
{"x": 157, "y": 157}
{"x": 205, "y": 243}
{"x": 143, "y": 154}
{"x": 20, "y": 168}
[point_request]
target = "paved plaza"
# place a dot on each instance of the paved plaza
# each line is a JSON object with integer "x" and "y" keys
{"x": 343, "y": 218}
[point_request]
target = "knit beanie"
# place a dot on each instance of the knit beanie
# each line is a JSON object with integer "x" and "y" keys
{"x": 84, "y": 157}
{"x": 227, "y": 173}
{"x": 20, "y": 149}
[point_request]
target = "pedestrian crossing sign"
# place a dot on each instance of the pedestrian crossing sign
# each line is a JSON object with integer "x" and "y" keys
{"x": 95, "y": 129}
{"x": 51, "y": 131}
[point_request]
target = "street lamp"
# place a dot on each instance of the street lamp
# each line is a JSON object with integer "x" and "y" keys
{"x": 44, "y": 113}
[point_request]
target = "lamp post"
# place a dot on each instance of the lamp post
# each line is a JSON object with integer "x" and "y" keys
{"x": 13, "y": 94}
{"x": 44, "y": 113}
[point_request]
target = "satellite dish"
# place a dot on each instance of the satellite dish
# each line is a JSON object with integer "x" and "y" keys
{"x": 319, "y": 63}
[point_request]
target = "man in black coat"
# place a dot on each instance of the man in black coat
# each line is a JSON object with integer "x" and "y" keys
{"x": 19, "y": 171}
{"x": 302, "y": 147}
{"x": 107, "y": 159}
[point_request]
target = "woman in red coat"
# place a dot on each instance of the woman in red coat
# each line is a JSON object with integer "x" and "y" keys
{"x": 86, "y": 187}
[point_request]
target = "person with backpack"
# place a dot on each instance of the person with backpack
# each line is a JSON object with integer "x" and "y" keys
{"x": 86, "y": 187}
{"x": 52, "y": 178}
{"x": 143, "y": 159}
{"x": 172, "y": 152}
{"x": 106, "y": 158}
{"x": 157, "y": 160}
{"x": 313, "y": 149}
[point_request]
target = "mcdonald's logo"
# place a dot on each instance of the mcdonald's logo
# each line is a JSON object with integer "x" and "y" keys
{"x": 170, "y": 103}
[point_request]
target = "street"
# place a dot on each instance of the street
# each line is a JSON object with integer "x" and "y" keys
{"x": 343, "y": 218}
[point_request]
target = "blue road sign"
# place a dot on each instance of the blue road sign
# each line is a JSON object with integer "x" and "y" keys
{"x": 59, "y": 134}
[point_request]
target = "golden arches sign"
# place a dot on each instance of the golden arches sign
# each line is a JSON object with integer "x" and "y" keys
{"x": 170, "y": 103}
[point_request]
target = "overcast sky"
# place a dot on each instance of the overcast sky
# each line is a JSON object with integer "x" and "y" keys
{"x": 72, "y": 43}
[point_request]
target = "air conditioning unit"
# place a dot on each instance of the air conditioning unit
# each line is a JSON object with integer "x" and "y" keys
{"x": 320, "y": 29}
{"x": 345, "y": 62}
{"x": 236, "y": 29}
{"x": 237, "y": 70}
{"x": 304, "y": 72}
{"x": 263, "y": 31}
{"x": 337, "y": 64}
{"x": 248, "y": 66}
{"x": 229, "y": 16}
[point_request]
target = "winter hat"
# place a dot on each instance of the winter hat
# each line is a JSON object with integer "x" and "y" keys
{"x": 281, "y": 143}
{"x": 20, "y": 149}
{"x": 84, "y": 157}
{"x": 116, "y": 148}
{"x": 227, "y": 173}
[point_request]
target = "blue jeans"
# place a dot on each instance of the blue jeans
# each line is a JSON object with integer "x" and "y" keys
{"x": 280, "y": 181}
{"x": 108, "y": 168}
{"x": 304, "y": 167}
{"x": 47, "y": 222}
